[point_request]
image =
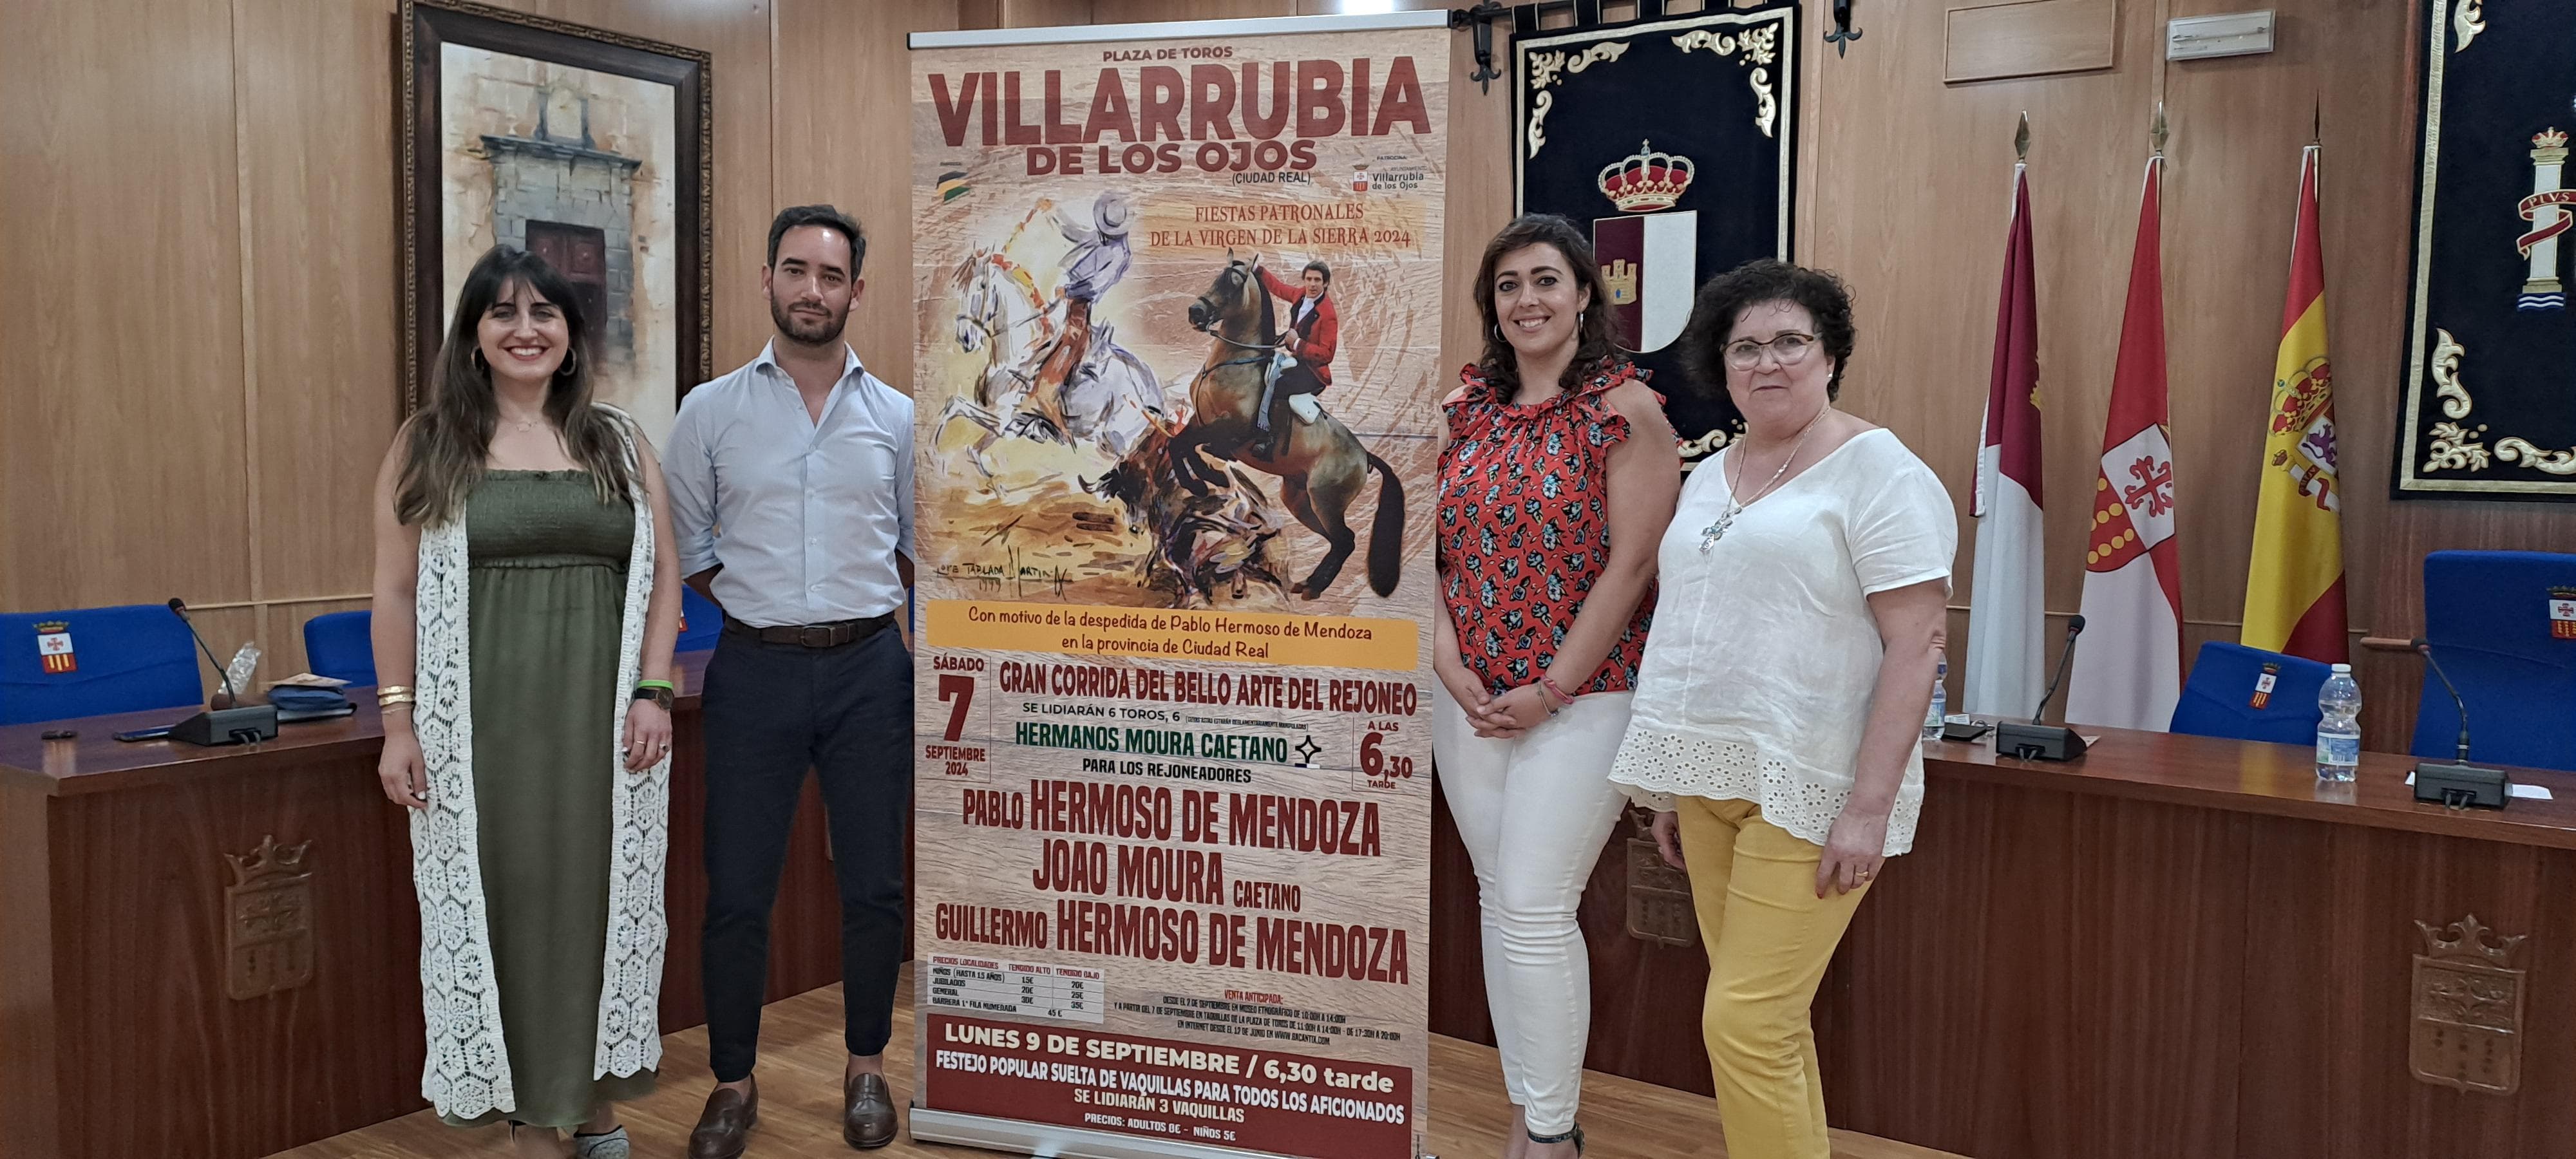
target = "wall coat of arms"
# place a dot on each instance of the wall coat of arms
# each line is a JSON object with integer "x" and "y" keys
{"x": 2490, "y": 346}
{"x": 1676, "y": 139}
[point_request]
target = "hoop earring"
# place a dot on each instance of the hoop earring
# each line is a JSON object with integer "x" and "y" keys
{"x": 481, "y": 366}
{"x": 1579, "y": 316}
{"x": 1498, "y": 338}
{"x": 571, "y": 362}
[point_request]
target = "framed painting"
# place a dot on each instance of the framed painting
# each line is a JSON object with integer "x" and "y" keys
{"x": 592, "y": 149}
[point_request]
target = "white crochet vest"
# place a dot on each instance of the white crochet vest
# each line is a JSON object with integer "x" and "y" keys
{"x": 468, "y": 1072}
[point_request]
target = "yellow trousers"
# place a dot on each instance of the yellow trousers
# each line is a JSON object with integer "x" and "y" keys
{"x": 1768, "y": 938}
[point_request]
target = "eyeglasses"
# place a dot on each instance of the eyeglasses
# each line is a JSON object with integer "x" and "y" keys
{"x": 1789, "y": 347}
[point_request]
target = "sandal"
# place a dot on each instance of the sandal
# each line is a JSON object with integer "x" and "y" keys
{"x": 607, "y": 1145}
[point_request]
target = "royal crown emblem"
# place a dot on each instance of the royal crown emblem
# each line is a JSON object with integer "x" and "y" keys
{"x": 2468, "y": 1000}
{"x": 268, "y": 933}
{"x": 1646, "y": 181}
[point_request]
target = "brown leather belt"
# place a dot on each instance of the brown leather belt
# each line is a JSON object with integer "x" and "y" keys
{"x": 832, "y": 635}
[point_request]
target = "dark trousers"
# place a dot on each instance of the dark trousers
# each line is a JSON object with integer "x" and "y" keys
{"x": 771, "y": 712}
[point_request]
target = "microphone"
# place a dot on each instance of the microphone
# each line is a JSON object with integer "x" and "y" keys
{"x": 234, "y": 723}
{"x": 2045, "y": 742}
{"x": 2065, "y": 656}
{"x": 2458, "y": 784}
{"x": 2424, "y": 648}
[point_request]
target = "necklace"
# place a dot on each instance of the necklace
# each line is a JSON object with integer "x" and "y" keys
{"x": 1709, "y": 535}
{"x": 525, "y": 425}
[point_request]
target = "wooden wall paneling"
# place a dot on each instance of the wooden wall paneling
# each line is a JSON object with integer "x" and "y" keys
{"x": 836, "y": 63}
{"x": 315, "y": 167}
{"x": 2329, "y": 947}
{"x": 1150, "y": 11}
{"x": 1479, "y": 201}
{"x": 119, "y": 481}
{"x": 155, "y": 969}
{"x": 1046, "y": 13}
{"x": 29, "y": 1120}
{"x": 2231, "y": 188}
{"x": 2062, "y": 1024}
{"x": 1924, "y": 255}
{"x": 2034, "y": 38}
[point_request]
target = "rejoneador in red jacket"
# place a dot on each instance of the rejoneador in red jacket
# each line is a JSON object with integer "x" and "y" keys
{"x": 1314, "y": 331}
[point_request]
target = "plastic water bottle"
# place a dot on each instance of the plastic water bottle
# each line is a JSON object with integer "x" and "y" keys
{"x": 2339, "y": 726}
{"x": 1940, "y": 706}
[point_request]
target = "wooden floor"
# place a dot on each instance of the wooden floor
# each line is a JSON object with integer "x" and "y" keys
{"x": 801, "y": 1086}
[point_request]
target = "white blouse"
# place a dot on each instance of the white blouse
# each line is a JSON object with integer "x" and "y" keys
{"x": 1759, "y": 670}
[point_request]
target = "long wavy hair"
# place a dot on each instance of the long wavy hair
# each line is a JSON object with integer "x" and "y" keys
{"x": 447, "y": 443}
{"x": 1593, "y": 344}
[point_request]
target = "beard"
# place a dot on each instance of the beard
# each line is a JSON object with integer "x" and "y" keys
{"x": 809, "y": 331}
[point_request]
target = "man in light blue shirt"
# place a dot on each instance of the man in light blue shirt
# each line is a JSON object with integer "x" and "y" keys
{"x": 791, "y": 497}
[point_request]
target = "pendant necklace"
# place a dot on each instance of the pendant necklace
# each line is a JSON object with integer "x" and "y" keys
{"x": 1709, "y": 535}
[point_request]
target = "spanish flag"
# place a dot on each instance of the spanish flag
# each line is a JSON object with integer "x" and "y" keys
{"x": 2294, "y": 591}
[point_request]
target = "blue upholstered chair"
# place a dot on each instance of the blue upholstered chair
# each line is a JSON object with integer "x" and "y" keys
{"x": 338, "y": 645}
{"x": 2486, "y": 614}
{"x": 121, "y": 659}
{"x": 700, "y": 621}
{"x": 2218, "y": 700}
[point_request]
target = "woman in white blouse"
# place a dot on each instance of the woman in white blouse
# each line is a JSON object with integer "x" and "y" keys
{"x": 1778, "y": 709}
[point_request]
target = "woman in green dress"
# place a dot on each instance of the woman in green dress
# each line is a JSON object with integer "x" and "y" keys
{"x": 523, "y": 629}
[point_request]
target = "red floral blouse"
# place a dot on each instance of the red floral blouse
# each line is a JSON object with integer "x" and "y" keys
{"x": 1525, "y": 528}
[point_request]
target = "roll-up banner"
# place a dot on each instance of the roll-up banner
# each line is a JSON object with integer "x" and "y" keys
{"x": 1178, "y": 297}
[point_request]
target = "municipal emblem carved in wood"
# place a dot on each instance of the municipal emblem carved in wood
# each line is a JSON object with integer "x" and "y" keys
{"x": 1659, "y": 899}
{"x": 268, "y": 920}
{"x": 2467, "y": 1032}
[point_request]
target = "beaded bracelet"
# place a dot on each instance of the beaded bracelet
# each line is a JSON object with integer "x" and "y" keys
{"x": 1549, "y": 683}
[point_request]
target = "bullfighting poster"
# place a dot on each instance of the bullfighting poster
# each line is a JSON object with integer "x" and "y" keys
{"x": 1675, "y": 141}
{"x": 1177, "y": 384}
{"x": 2491, "y": 347}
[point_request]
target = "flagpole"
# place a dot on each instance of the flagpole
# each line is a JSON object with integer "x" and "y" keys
{"x": 2007, "y": 622}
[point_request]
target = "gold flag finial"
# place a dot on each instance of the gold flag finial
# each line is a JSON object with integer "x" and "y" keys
{"x": 2158, "y": 133}
{"x": 2021, "y": 138}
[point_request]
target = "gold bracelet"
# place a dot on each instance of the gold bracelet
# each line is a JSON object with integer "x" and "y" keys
{"x": 392, "y": 690}
{"x": 390, "y": 699}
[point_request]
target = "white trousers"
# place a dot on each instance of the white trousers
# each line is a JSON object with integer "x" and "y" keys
{"x": 1533, "y": 813}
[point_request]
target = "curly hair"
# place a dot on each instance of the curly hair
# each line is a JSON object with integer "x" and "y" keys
{"x": 1593, "y": 348}
{"x": 1726, "y": 297}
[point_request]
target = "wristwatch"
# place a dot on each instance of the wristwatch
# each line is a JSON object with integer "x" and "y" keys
{"x": 660, "y": 696}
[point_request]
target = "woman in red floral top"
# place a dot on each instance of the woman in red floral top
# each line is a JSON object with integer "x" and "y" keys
{"x": 1557, "y": 480}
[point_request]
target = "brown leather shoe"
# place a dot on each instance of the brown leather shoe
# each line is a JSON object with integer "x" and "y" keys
{"x": 724, "y": 1127}
{"x": 867, "y": 1114}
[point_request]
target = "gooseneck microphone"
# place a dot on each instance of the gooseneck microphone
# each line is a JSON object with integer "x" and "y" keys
{"x": 2459, "y": 784}
{"x": 232, "y": 696}
{"x": 234, "y": 723}
{"x": 2044, "y": 742}
{"x": 2065, "y": 656}
{"x": 2424, "y": 648}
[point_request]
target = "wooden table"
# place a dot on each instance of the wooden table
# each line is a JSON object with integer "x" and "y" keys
{"x": 2178, "y": 947}
{"x": 149, "y": 994}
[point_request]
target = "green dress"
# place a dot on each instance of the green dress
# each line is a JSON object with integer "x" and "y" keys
{"x": 549, "y": 592}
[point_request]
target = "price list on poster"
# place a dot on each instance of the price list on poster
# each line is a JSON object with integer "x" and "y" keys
{"x": 1066, "y": 993}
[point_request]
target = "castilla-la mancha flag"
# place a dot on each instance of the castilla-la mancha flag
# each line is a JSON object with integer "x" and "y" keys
{"x": 2294, "y": 590}
{"x": 2006, "y": 621}
{"x": 2128, "y": 672}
